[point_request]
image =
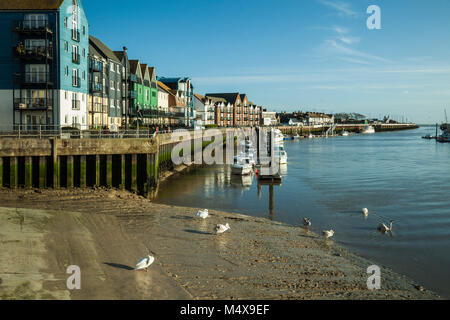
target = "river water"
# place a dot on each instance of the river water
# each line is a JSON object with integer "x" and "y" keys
{"x": 397, "y": 175}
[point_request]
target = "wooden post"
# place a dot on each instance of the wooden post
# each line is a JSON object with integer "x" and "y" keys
{"x": 82, "y": 171}
{"x": 123, "y": 172}
{"x": 109, "y": 171}
{"x": 42, "y": 172}
{"x": 56, "y": 164}
{"x": 28, "y": 172}
{"x": 13, "y": 172}
{"x": 70, "y": 175}
{"x": 98, "y": 181}
{"x": 134, "y": 172}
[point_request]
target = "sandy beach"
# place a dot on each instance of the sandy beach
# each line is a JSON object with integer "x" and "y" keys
{"x": 105, "y": 232}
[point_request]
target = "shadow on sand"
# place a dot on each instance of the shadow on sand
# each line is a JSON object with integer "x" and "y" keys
{"x": 119, "y": 266}
{"x": 198, "y": 232}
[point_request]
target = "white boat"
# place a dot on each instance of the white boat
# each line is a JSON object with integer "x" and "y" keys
{"x": 368, "y": 130}
{"x": 279, "y": 137}
{"x": 281, "y": 154}
{"x": 345, "y": 133}
{"x": 241, "y": 165}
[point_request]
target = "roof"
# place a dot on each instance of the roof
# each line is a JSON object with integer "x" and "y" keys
{"x": 163, "y": 87}
{"x": 144, "y": 69}
{"x": 134, "y": 66}
{"x": 229, "y": 97}
{"x": 119, "y": 55}
{"x": 151, "y": 71}
{"x": 199, "y": 96}
{"x": 103, "y": 48}
{"x": 242, "y": 95}
{"x": 30, "y": 4}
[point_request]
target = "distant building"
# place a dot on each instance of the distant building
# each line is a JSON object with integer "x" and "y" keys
{"x": 269, "y": 118}
{"x": 319, "y": 119}
{"x": 163, "y": 105}
{"x": 204, "y": 110}
{"x": 45, "y": 46}
{"x": 183, "y": 104}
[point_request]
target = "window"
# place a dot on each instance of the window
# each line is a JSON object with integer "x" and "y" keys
{"x": 84, "y": 30}
{"x": 84, "y": 52}
{"x": 66, "y": 96}
{"x": 66, "y": 46}
{"x": 84, "y": 75}
{"x": 112, "y": 67}
{"x": 118, "y": 69}
{"x": 67, "y": 71}
{"x": 66, "y": 119}
{"x": 65, "y": 25}
{"x": 75, "y": 79}
{"x": 112, "y": 85}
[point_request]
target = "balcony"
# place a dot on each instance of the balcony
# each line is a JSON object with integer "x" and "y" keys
{"x": 96, "y": 66}
{"x": 99, "y": 108}
{"x": 75, "y": 35}
{"x": 33, "y": 104}
{"x": 33, "y": 27}
{"x": 76, "y": 104}
{"x": 133, "y": 95}
{"x": 133, "y": 78}
{"x": 76, "y": 58}
{"x": 35, "y": 78}
{"x": 33, "y": 53}
{"x": 96, "y": 87}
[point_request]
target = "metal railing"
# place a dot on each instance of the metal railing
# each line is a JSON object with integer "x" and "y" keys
{"x": 33, "y": 51}
{"x": 33, "y": 103}
{"x": 33, "y": 25}
{"x": 35, "y": 77}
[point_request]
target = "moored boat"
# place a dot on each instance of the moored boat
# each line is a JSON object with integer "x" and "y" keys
{"x": 368, "y": 130}
{"x": 241, "y": 166}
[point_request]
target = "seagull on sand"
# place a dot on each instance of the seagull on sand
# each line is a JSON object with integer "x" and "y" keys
{"x": 220, "y": 228}
{"x": 203, "y": 214}
{"x": 145, "y": 263}
{"x": 384, "y": 228}
{"x": 328, "y": 234}
{"x": 306, "y": 222}
{"x": 365, "y": 212}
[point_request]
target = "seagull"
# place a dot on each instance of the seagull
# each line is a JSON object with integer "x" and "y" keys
{"x": 384, "y": 228}
{"x": 145, "y": 263}
{"x": 328, "y": 234}
{"x": 306, "y": 222}
{"x": 220, "y": 228}
{"x": 203, "y": 214}
{"x": 365, "y": 211}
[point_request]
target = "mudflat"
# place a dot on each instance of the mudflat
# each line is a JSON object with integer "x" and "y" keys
{"x": 106, "y": 231}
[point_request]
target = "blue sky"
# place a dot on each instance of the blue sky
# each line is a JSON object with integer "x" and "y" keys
{"x": 294, "y": 54}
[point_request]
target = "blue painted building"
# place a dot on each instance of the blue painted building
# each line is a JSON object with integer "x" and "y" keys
{"x": 44, "y": 48}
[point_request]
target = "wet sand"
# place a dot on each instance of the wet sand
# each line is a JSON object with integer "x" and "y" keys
{"x": 105, "y": 232}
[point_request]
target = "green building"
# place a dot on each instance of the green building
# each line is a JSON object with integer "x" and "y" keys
{"x": 144, "y": 95}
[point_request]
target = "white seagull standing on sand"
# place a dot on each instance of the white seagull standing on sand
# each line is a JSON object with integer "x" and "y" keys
{"x": 384, "y": 228}
{"x": 365, "y": 211}
{"x": 203, "y": 214}
{"x": 328, "y": 234}
{"x": 306, "y": 222}
{"x": 145, "y": 263}
{"x": 220, "y": 228}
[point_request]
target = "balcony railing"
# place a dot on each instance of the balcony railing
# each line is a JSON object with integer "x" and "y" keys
{"x": 96, "y": 87}
{"x": 36, "y": 77}
{"x": 34, "y": 52}
{"x": 96, "y": 66}
{"x": 35, "y": 26}
{"x": 99, "y": 108}
{"x": 33, "y": 104}
{"x": 76, "y": 104}
{"x": 76, "y": 35}
{"x": 76, "y": 58}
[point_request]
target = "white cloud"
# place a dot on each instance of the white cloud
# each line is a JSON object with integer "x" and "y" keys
{"x": 342, "y": 8}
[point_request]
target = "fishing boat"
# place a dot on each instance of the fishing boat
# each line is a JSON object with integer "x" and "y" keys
{"x": 445, "y": 137}
{"x": 345, "y": 133}
{"x": 368, "y": 130}
{"x": 241, "y": 165}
